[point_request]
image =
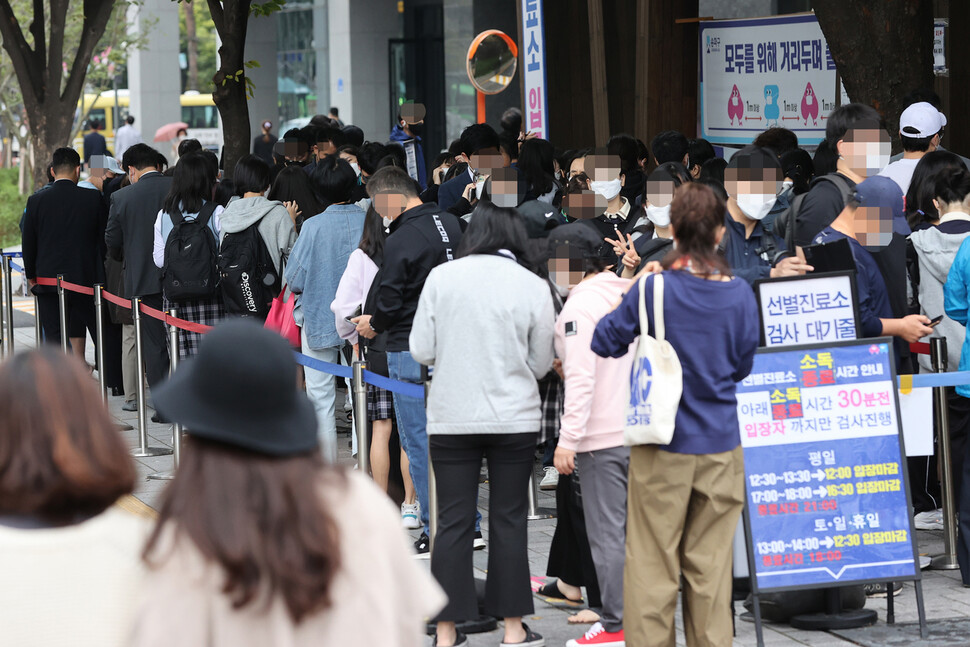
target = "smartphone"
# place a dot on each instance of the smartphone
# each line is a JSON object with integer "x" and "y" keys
{"x": 935, "y": 321}
{"x": 356, "y": 314}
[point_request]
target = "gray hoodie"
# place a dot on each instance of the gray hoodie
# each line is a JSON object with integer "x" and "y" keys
{"x": 936, "y": 251}
{"x": 275, "y": 225}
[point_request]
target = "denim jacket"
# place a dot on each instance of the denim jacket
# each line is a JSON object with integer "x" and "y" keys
{"x": 316, "y": 264}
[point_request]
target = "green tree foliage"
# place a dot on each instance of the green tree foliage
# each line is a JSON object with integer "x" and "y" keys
{"x": 205, "y": 33}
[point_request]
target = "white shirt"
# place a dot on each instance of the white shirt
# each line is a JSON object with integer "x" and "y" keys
{"x": 901, "y": 172}
{"x": 126, "y": 137}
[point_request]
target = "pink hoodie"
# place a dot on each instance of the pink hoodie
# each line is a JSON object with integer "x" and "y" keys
{"x": 596, "y": 387}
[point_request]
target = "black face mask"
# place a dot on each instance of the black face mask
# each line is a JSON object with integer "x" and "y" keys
{"x": 416, "y": 129}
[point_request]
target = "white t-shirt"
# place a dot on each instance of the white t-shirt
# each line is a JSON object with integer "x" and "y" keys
{"x": 901, "y": 172}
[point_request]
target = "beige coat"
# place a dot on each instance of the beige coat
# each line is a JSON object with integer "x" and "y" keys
{"x": 381, "y": 595}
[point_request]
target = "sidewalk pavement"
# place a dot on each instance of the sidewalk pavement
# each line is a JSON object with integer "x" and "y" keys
{"x": 947, "y": 603}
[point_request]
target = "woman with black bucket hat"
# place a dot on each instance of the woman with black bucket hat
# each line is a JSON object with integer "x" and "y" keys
{"x": 257, "y": 541}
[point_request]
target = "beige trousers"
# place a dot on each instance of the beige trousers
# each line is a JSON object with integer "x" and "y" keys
{"x": 682, "y": 511}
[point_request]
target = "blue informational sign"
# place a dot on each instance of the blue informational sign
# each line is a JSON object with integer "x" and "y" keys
{"x": 827, "y": 495}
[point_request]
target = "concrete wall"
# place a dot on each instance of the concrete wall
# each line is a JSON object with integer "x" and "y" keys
{"x": 358, "y": 51}
{"x": 153, "y": 73}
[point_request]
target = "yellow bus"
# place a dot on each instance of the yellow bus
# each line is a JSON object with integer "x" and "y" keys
{"x": 198, "y": 111}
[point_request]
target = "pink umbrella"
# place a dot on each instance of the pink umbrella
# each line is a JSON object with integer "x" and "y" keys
{"x": 168, "y": 131}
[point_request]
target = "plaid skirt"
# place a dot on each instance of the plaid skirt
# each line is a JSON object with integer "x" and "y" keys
{"x": 380, "y": 403}
{"x": 208, "y": 312}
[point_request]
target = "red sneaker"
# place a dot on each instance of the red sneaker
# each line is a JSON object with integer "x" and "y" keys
{"x": 599, "y": 637}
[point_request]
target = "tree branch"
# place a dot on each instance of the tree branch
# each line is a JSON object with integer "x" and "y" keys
{"x": 22, "y": 57}
{"x": 96, "y": 16}
{"x": 55, "y": 56}
{"x": 218, "y": 16}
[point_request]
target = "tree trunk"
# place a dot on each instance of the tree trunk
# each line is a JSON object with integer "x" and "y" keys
{"x": 191, "y": 47}
{"x": 231, "y": 19}
{"x": 883, "y": 50}
{"x": 50, "y": 110}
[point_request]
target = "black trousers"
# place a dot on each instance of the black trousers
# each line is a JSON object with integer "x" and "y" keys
{"x": 569, "y": 556}
{"x": 154, "y": 342}
{"x": 457, "y": 461}
{"x": 80, "y": 311}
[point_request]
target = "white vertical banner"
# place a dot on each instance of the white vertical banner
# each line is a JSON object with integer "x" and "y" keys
{"x": 533, "y": 48}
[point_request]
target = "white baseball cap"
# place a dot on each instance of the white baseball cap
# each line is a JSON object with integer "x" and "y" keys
{"x": 921, "y": 120}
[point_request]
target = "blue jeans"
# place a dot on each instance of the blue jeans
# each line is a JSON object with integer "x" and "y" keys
{"x": 412, "y": 426}
{"x": 412, "y": 429}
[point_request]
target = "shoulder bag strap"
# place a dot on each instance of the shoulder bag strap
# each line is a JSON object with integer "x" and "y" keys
{"x": 644, "y": 323}
{"x": 658, "y": 307}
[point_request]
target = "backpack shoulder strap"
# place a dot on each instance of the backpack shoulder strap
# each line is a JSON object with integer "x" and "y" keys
{"x": 205, "y": 214}
{"x": 840, "y": 184}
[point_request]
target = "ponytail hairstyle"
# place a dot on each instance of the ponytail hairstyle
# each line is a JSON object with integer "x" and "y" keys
{"x": 952, "y": 185}
{"x": 697, "y": 217}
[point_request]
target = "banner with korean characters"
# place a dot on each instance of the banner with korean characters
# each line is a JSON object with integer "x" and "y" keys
{"x": 826, "y": 483}
{"x": 763, "y": 72}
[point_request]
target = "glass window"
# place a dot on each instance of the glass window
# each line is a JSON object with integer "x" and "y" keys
{"x": 200, "y": 116}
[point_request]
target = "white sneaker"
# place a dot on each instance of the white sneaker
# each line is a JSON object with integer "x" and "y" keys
{"x": 929, "y": 520}
{"x": 411, "y": 515}
{"x": 550, "y": 478}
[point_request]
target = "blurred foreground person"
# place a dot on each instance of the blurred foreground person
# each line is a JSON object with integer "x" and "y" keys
{"x": 257, "y": 541}
{"x": 70, "y": 561}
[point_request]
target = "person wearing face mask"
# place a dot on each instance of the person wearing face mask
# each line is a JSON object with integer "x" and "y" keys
{"x": 854, "y": 132}
{"x": 752, "y": 180}
{"x": 479, "y": 147}
{"x": 606, "y": 180}
{"x": 407, "y": 132}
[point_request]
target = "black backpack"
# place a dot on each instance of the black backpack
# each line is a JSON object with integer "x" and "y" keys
{"x": 248, "y": 279}
{"x": 190, "y": 270}
{"x": 787, "y": 222}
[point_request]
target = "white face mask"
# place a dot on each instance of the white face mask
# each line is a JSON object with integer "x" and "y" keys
{"x": 877, "y": 156}
{"x": 755, "y": 205}
{"x": 356, "y": 168}
{"x": 608, "y": 189}
{"x": 387, "y": 222}
{"x": 659, "y": 216}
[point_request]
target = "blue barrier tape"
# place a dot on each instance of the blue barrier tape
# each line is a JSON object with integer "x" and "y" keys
{"x": 403, "y": 388}
{"x": 16, "y": 268}
{"x": 924, "y": 380}
{"x": 409, "y": 389}
{"x": 14, "y": 254}
{"x": 326, "y": 367}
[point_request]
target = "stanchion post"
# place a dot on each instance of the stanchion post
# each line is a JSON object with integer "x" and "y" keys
{"x": 143, "y": 450}
{"x": 4, "y": 344}
{"x": 173, "y": 341}
{"x": 8, "y": 304}
{"x": 99, "y": 342}
{"x": 948, "y": 560}
{"x": 533, "y": 499}
{"x": 62, "y": 312}
{"x": 360, "y": 417}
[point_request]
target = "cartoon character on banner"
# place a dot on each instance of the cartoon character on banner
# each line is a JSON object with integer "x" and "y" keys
{"x": 735, "y": 106}
{"x": 772, "y": 112}
{"x": 810, "y": 105}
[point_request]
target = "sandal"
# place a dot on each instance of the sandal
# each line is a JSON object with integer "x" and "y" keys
{"x": 532, "y": 639}
{"x": 551, "y": 595}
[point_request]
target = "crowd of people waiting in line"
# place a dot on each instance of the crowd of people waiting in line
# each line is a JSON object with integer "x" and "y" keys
{"x": 521, "y": 273}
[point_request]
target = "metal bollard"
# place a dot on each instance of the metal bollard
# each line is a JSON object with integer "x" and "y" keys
{"x": 62, "y": 312}
{"x": 533, "y": 497}
{"x": 8, "y": 305}
{"x": 143, "y": 450}
{"x": 948, "y": 560}
{"x": 173, "y": 341}
{"x": 99, "y": 342}
{"x": 360, "y": 417}
{"x": 38, "y": 334}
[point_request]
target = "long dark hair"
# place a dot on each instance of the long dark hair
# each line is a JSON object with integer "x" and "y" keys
{"x": 697, "y": 215}
{"x": 292, "y": 184}
{"x": 262, "y": 519}
{"x": 922, "y": 188}
{"x": 536, "y": 163}
{"x": 493, "y": 228}
{"x": 374, "y": 234}
{"x": 192, "y": 185}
